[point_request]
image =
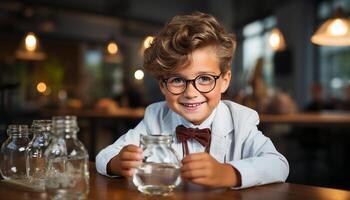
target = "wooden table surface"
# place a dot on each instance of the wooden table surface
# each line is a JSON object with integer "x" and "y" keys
{"x": 102, "y": 187}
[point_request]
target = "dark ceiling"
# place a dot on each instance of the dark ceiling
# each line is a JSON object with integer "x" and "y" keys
{"x": 43, "y": 15}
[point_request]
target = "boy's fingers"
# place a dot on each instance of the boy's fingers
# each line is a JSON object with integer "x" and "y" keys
{"x": 130, "y": 156}
{"x": 195, "y": 165}
{"x": 130, "y": 164}
{"x": 193, "y": 174}
{"x": 133, "y": 148}
{"x": 128, "y": 173}
{"x": 194, "y": 157}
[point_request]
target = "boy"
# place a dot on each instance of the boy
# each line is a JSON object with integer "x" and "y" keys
{"x": 191, "y": 60}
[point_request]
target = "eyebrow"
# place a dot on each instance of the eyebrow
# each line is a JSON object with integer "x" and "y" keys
{"x": 198, "y": 73}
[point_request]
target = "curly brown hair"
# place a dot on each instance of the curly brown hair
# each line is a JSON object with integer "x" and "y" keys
{"x": 183, "y": 34}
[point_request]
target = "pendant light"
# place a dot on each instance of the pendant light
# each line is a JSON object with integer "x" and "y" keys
{"x": 333, "y": 32}
{"x": 112, "y": 54}
{"x": 276, "y": 40}
{"x": 30, "y": 48}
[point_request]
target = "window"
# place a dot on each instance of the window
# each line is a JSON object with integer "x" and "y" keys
{"x": 334, "y": 62}
{"x": 102, "y": 79}
{"x": 255, "y": 45}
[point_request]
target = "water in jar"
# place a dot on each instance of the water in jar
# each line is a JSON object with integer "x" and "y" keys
{"x": 157, "y": 178}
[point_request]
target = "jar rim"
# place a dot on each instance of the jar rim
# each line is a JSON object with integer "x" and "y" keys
{"x": 163, "y": 139}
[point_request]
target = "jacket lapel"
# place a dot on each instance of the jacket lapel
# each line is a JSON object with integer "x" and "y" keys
{"x": 221, "y": 128}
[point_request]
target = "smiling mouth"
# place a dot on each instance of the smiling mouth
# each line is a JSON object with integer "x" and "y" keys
{"x": 191, "y": 105}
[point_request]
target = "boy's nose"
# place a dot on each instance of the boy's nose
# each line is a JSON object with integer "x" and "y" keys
{"x": 190, "y": 91}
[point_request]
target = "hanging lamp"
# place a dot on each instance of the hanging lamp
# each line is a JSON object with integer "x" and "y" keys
{"x": 112, "y": 54}
{"x": 276, "y": 40}
{"x": 334, "y": 31}
{"x": 30, "y": 48}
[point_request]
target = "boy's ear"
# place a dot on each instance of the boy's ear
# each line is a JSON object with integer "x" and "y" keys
{"x": 162, "y": 86}
{"x": 226, "y": 78}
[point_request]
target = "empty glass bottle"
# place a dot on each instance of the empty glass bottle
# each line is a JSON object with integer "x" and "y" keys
{"x": 67, "y": 175}
{"x": 41, "y": 130}
{"x": 159, "y": 173}
{"x": 13, "y": 154}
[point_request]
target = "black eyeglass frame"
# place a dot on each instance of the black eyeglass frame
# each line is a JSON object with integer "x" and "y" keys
{"x": 193, "y": 81}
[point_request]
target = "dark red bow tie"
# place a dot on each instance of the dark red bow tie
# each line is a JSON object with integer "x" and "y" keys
{"x": 203, "y": 136}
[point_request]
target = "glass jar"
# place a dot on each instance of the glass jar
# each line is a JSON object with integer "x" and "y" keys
{"x": 13, "y": 154}
{"x": 41, "y": 130}
{"x": 67, "y": 174}
{"x": 159, "y": 172}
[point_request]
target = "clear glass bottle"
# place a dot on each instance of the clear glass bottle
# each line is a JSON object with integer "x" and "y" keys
{"x": 159, "y": 173}
{"x": 67, "y": 174}
{"x": 13, "y": 154}
{"x": 41, "y": 130}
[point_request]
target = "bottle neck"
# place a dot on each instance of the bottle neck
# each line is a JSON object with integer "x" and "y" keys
{"x": 41, "y": 127}
{"x": 65, "y": 126}
{"x": 17, "y": 131}
{"x": 18, "y": 136}
{"x": 66, "y": 134}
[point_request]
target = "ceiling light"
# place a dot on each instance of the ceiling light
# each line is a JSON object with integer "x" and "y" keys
{"x": 30, "y": 48}
{"x": 334, "y": 32}
{"x": 276, "y": 40}
{"x": 139, "y": 74}
{"x": 112, "y": 54}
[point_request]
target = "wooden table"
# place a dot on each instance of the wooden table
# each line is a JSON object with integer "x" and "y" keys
{"x": 102, "y": 187}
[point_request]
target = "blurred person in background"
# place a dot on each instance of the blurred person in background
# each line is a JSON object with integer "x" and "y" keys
{"x": 264, "y": 99}
{"x": 259, "y": 98}
{"x": 345, "y": 104}
{"x": 318, "y": 102}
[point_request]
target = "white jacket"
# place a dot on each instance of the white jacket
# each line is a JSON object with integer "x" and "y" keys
{"x": 235, "y": 140}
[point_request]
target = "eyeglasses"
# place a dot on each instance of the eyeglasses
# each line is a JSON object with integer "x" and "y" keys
{"x": 204, "y": 83}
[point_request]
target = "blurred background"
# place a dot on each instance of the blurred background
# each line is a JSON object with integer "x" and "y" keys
{"x": 84, "y": 58}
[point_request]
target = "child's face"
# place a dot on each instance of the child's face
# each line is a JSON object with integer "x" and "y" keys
{"x": 193, "y": 105}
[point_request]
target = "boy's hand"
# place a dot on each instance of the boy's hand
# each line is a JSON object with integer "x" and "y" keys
{"x": 124, "y": 163}
{"x": 203, "y": 169}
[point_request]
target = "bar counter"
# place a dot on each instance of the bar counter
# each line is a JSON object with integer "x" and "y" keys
{"x": 96, "y": 117}
{"x": 102, "y": 187}
{"x": 132, "y": 113}
{"x": 307, "y": 118}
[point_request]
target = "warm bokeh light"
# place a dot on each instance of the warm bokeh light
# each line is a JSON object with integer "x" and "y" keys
{"x": 276, "y": 40}
{"x": 333, "y": 32}
{"x": 112, "y": 48}
{"x": 62, "y": 95}
{"x": 41, "y": 87}
{"x": 147, "y": 42}
{"x": 30, "y": 42}
{"x": 139, "y": 74}
{"x": 337, "y": 28}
